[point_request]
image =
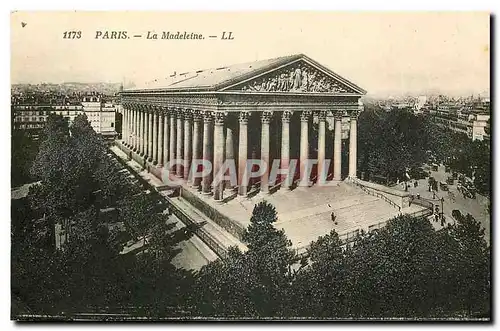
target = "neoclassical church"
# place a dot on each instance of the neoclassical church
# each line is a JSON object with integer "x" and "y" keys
{"x": 262, "y": 110}
{"x": 283, "y": 112}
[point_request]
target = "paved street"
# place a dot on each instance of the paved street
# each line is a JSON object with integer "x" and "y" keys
{"x": 476, "y": 207}
{"x": 193, "y": 253}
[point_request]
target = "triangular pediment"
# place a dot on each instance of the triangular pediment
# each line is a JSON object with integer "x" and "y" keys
{"x": 300, "y": 76}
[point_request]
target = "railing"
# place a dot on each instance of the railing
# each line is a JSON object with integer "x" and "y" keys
{"x": 375, "y": 193}
{"x": 197, "y": 229}
{"x": 422, "y": 202}
{"x": 377, "y": 226}
{"x": 421, "y": 213}
{"x": 180, "y": 214}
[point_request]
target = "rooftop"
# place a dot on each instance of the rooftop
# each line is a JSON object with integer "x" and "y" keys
{"x": 215, "y": 78}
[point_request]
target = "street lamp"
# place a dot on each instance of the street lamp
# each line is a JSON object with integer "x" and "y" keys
{"x": 442, "y": 210}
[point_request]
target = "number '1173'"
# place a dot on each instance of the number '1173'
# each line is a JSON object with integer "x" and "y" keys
{"x": 72, "y": 34}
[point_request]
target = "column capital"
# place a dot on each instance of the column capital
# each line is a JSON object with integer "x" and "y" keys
{"x": 321, "y": 115}
{"x": 157, "y": 109}
{"x": 354, "y": 114}
{"x": 179, "y": 113}
{"x": 187, "y": 114}
{"x": 338, "y": 114}
{"x": 304, "y": 115}
{"x": 243, "y": 117}
{"x": 266, "y": 116}
{"x": 286, "y": 116}
{"x": 207, "y": 116}
{"x": 197, "y": 115}
{"x": 163, "y": 110}
{"x": 219, "y": 117}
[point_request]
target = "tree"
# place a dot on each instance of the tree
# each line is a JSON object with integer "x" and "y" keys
{"x": 319, "y": 289}
{"x": 256, "y": 283}
{"x": 472, "y": 262}
{"x": 24, "y": 150}
{"x": 391, "y": 142}
{"x": 141, "y": 214}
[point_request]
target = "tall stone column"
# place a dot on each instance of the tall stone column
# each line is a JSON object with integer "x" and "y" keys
{"x": 142, "y": 128}
{"x": 322, "y": 172}
{"x": 187, "y": 144}
{"x": 173, "y": 136}
{"x": 304, "y": 144}
{"x": 219, "y": 119}
{"x": 155, "y": 136}
{"x": 161, "y": 140}
{"x": 166, "y": 136}
{"x": 128, "y": 125}
{"x": 207, "y": 149}
{"x": 197, "y": 155}
{"x": 337, "y": 147}
{"x": 243, "y": 153}
{"x": 150, "y": 135}
{"x": 285, "y": 148}
{"x": 125, "y": 126}
{"x": 146, "y": 132}
{"x": 132, "y": 129}
{"x": 229, "y": 152}
{"x": 180, "y": 142}
{"x": 265, "y": 119}
{"x": 136, "y": 130}
{"x": 353, "y": 144}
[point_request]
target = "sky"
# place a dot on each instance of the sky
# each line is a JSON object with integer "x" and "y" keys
{"x": 386, "y": 53}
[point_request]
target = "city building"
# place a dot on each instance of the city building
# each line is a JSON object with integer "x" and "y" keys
{"x": 34, "y": 117}
{"x": 30, "y": 112}
{"x": 101, "y": 114}
{"x": 479, "y": 124}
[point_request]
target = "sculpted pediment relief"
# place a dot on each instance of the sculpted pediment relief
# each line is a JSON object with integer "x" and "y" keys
{"x": 297, "y": 77}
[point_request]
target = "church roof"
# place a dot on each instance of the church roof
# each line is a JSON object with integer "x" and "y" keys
{"x": 216, "y": 79}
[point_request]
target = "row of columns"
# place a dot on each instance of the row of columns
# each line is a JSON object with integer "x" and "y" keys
{"x": 163, "y": 134}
